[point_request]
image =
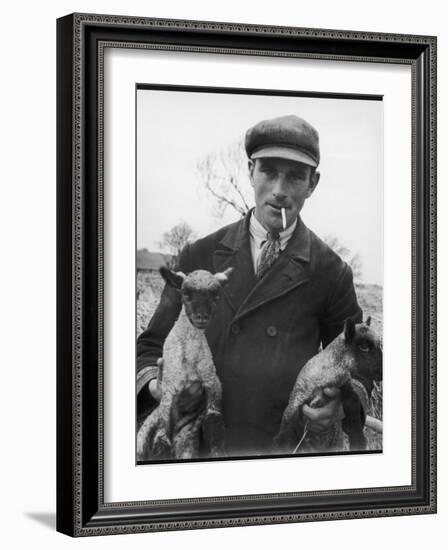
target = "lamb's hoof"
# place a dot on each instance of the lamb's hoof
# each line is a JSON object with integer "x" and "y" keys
{"x": 161, "y": 445}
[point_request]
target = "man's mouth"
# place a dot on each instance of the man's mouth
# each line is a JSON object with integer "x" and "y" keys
{"x": 276, "y": 207}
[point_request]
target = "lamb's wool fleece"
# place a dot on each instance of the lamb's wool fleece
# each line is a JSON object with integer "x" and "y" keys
{"x": 355, "y": 352}
{"x": 171, "y": 430}
{"x": 187, "y": 357}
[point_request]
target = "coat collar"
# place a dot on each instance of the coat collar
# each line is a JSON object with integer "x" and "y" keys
{"x": 243, "y": 291}
{"x": 234, "y": 251}
{"x": 258, "y": 233}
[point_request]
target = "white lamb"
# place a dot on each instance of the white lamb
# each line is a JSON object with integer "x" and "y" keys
{"x": 172, "y": 430}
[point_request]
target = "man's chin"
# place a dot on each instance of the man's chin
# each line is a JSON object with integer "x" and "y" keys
{"x": 272, "y": 219}
{"x": 273, "y": 223}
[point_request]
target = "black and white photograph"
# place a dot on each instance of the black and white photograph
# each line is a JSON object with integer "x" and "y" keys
{"x": 246, "y": 277}
{"x": 259, "y": 273}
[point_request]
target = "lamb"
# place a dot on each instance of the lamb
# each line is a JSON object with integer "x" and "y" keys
{"x": 172, "y": 430}
{"x": 357, "y": 350}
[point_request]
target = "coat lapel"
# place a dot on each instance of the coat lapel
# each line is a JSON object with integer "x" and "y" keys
{"x": 234, "y": 251}
{"x": 243, "y": 291}
{"x": 289, "y": 271}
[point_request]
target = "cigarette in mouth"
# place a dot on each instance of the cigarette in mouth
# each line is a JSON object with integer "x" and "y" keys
{"x": 283, "y": 218}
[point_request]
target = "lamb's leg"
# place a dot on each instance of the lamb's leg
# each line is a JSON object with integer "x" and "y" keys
{"x": 187, "y": 415}
{"x": 213, "y": 425}
{"x": 355, "y": 417}
{"x": 213, "y": 394}
{"x": 213, "y": 433}
{"x": 186, "y": 439}
{"x": 145, "y": 435}
{"x": 161, "y": 445}
{"x": 289, "y": 433}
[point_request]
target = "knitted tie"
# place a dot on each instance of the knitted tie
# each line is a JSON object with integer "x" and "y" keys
{"x": 270, "y": 251}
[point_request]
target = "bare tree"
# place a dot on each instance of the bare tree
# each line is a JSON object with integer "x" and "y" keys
{"x": 176, "y": 238}
{"x": 223, "y": 174}
{"x": 353, "y": 260}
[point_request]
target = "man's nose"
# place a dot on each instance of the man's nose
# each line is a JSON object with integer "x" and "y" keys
{"x": 278, "y": 187}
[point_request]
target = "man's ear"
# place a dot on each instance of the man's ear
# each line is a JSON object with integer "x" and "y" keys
{"x": 172, "y": 278}
{"x": 251, "y": 166}
{"x": 314, "y": 180}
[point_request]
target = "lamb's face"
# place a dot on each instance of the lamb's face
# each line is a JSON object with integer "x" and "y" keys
{"x": 201, "y": 292}
{"x": 366, "y": 347}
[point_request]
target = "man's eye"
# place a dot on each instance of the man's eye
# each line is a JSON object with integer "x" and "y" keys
{"x": 267, "y": 171}
{"x": 298, "y": 176}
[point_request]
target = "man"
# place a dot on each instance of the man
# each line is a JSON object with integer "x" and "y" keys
{"x": 288, "y": 295}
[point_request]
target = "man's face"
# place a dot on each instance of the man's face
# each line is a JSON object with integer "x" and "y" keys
{"x": 280, "y": 183}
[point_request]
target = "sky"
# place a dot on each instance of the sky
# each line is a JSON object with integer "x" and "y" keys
{"x": 176, "y": 129}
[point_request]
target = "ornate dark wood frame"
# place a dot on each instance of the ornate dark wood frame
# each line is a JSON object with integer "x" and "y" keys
{"x": 81, "y": 39}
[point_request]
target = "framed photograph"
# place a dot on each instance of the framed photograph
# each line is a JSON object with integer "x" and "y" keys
{"x": 246, "y": 274}
{"x": 199, "y": 185}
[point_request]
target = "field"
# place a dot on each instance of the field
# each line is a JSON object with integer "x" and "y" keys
{"x": 149, "y": 289}
{"x": 150, "y": 285}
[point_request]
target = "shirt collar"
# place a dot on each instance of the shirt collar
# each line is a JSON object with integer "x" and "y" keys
{"x": 259, "y": 233}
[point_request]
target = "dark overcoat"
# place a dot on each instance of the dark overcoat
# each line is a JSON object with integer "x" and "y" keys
{"x": 262, "y": 332}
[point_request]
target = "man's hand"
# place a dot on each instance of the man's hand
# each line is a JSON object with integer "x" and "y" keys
{"x": 320, "y": 418}
{"x": 154, "y": 390}
{"x": 155, "y": 385}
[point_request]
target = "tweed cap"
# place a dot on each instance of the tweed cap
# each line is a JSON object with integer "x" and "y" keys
{"x": 289, "y": 137}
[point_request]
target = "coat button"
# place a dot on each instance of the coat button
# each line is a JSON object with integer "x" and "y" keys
{"x": 271, "y": 330}
{"x": 235, "y": 329}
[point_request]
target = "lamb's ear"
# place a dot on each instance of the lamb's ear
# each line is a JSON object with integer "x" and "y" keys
{"x": 349, "y": 330}
{"x": 223, "y": 278}
{"x": 172, "y": 278}
{"x": 368, "y": 321}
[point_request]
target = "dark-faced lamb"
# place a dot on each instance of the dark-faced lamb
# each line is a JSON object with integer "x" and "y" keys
{"x": 172, "y": 430}
{"x": 356, "y": 351}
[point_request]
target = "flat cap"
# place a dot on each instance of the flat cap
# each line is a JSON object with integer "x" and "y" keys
{"x": 289, "y": 137}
